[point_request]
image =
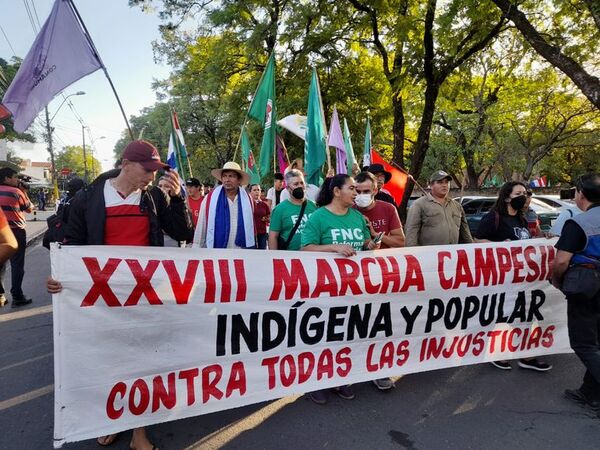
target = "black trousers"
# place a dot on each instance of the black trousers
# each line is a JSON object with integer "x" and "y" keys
{"x": 584, "y": 336}
{"x": 17, "y": 265}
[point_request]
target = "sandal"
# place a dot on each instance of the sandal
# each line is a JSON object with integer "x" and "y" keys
{"x": 107, "y": 440}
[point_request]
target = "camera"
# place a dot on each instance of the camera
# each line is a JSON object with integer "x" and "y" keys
{"x": 24, "y": 181}
{"x": 567, "y": 194}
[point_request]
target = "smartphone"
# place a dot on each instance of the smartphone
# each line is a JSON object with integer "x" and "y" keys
{"x": 377, "y": 239}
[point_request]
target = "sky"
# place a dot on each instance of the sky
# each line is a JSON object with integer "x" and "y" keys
{"x": 123, "y": 37}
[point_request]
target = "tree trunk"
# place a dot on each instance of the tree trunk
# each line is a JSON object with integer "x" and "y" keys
{"x": 398, "y": 130}
{"x": 422, "y": 144}
{"x": 528, "y": 168}
{"x": 587, "y": 83}
{"x": 472, "y": 176}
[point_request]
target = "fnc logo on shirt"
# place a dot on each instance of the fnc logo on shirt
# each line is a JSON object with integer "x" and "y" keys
{"x": 346, "y": 234}
{"x": 302, "y": 222}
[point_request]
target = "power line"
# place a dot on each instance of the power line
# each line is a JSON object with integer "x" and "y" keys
{"x": 30, "y": 16}
{"x": 36, "y": 14}
{"x": 8, "y": 41}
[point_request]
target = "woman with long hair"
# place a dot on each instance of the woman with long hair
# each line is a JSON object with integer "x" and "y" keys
{"x": 506, "y": 221}
{"x": 339, "y": 228}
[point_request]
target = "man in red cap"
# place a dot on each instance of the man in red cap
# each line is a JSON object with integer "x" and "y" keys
{"x": 121, "y": 208}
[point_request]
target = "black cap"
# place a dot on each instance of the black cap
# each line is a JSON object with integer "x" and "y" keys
{"x": 378, "y": 168}
{"x": 193, "y": 182}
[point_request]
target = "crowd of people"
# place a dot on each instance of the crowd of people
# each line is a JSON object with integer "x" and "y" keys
{"x": 344, "y": 216}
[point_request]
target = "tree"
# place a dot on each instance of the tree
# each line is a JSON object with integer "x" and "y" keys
{"x": 71, "y": 157}
{"x": 422, "y": 54}
{"x": 581, "y": 19}
{"x": 7, "y": 73}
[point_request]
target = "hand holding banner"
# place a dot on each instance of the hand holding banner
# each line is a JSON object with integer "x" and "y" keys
{"x": 146, "y": 335}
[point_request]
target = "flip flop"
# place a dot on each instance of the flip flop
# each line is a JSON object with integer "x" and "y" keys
{"x": 109, "y": 439}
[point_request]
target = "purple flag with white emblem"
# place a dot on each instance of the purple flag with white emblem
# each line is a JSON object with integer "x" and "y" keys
{"x": 336, "y": 140}
{"x": 60, "y": 55}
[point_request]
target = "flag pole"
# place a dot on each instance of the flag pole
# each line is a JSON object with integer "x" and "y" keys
{"x": 237, "y": 146}
{"x": 175, "y": 146}
{"x": 328, "y": 153}
{"x": 97, "y": 55}
{"x": 409, "y": 176}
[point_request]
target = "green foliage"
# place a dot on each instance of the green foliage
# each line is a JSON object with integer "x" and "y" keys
{"x": 446, "y": 84}
{"x": 71, "y": 157}
{"x": 7, "y": 73}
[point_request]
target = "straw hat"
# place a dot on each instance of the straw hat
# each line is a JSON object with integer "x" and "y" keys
{"x": 234, "y": 167}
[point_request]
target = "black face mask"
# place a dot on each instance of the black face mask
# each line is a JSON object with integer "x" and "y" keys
{"x": 298, "y": 193}
{"x": 518, "y": 202}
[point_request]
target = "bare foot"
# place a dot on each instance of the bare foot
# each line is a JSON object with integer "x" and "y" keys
{"x": 139, "y": 440}
{"x": 107, "y": 440}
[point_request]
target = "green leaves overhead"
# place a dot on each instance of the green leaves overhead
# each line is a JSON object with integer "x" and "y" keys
{"x": 454, "y": 75}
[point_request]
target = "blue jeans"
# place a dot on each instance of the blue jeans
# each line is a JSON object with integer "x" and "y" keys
{"x": 17, "y": 265}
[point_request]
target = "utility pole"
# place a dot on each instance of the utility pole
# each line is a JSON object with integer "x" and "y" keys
{"x": 85, "y": 170}
{"x": 51, "y": 151}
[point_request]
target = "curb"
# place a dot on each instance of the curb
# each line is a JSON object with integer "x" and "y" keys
{"x": 35, "y": 238}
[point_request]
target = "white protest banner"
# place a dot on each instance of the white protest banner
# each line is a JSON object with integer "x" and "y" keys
{"x": 146, "y": 335}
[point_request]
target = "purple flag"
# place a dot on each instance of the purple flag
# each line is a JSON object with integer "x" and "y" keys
{"x": 336, "y": 140}
{"x": 60, "y": 55}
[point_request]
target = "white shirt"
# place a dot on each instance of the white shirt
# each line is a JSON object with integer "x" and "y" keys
{"x": 271, "y": 196}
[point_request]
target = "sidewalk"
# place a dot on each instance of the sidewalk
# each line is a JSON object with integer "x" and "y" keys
{"x": 36, "y": 224}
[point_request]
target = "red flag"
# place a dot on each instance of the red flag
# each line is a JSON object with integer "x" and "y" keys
{"x": 4, "y": 113}
{"x": 397, "y": 184}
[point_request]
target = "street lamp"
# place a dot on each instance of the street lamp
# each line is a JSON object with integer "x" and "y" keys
{"x": 49, "y": 131}
{"x": 63, "y": 102}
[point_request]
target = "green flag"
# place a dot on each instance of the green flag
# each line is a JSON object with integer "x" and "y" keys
{"x": 248, "y": 162}
{"x": 262, "y": 109}
{"x": 315, "y": 144}
{"x": 350, "y": 159}
{"x": 368, "y": 145}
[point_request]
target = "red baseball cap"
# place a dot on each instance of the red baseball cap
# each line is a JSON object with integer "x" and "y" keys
{"x": 144, "y": 153}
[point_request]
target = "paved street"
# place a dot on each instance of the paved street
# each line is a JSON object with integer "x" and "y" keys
{"x": 472, "y": 407}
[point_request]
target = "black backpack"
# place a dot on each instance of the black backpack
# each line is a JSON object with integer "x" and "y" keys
{"x": 56, "y": 227}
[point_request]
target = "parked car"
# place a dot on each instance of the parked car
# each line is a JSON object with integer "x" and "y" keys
{"x": 556, "y": 202}
{"x": 476, "y": 207}
{"x": 412, "y": 199}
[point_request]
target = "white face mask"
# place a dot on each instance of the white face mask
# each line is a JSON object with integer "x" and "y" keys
{"x": 363, "y": 200}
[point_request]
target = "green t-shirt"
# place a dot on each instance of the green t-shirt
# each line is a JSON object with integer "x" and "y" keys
{"x": 325, "y": 227}
{"x": 283, "y": 219}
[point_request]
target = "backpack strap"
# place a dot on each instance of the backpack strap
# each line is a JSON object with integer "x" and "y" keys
{"x": 296, "y": 225}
